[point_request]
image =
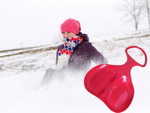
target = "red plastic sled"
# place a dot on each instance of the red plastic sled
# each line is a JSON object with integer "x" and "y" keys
{"x": 112, "y": 83}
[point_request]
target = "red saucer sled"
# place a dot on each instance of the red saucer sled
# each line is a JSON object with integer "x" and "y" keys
{"x": 112, "y": 84}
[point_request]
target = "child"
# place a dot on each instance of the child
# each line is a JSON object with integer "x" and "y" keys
{"x": 76, "y": 52}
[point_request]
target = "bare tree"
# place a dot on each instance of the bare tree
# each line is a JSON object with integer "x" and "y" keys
{"x": 132, "y": 10}
{"x": 147, "y": 6}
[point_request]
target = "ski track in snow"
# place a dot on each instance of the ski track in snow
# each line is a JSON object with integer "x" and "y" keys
{"x": 20, "y": 76}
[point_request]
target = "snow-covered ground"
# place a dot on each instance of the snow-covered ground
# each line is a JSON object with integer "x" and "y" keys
{"x": 21, "y": 71}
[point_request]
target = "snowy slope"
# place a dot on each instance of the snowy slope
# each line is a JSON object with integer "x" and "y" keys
{"x": 22, "y": 70}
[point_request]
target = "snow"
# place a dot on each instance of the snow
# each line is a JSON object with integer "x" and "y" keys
{"x": 20, "y": 77}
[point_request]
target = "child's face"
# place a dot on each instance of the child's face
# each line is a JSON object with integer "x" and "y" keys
{"x": 68, "y": 34}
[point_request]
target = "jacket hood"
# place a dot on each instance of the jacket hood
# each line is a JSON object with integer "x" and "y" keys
{"x": 84, "y": 36}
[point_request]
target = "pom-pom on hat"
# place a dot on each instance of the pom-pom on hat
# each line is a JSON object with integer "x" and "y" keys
{"x": 71, "y": 25}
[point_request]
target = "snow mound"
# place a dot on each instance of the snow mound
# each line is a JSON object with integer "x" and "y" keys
{"x": 21, "y": 74}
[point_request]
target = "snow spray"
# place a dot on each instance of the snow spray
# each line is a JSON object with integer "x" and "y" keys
{"x": 112, "y": 84}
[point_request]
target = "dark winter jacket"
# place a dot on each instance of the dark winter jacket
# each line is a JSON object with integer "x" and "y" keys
{"x": 83, "y": 54}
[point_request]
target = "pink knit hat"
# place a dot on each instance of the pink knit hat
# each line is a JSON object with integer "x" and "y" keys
{"x": 71, "y": 25}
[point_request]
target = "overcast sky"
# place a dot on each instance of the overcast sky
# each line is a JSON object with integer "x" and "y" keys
{"x": 35, "y": 22}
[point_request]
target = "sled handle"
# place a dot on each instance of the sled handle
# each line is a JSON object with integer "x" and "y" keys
{"x": 131, "y": 59}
